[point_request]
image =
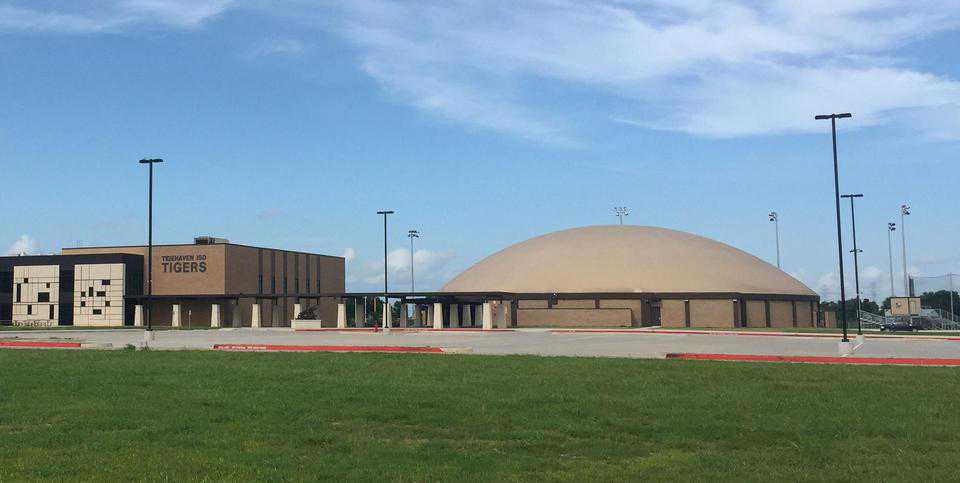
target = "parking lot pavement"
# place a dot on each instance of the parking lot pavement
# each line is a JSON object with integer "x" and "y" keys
{"x": 638, "y": 343}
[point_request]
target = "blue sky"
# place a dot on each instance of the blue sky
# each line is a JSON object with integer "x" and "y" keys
{"x": 290, "y": 123}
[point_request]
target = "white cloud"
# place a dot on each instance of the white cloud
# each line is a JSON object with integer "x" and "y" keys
{"x": 431, "y": 268}
{"x": 108, "y": 15}
{"x": 874, "y": 282}
{"x": 711, "y": 68}
{"x": 721, "y": 68}
{"x": 277, "y": 46}
{"x": 23, "y": 246}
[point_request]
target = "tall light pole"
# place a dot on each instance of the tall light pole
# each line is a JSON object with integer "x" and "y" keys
{"x": 386, "y": 308}
{"x": 412, "y": 234}
{"x": 856, "y": 252}
{"x": 904, "y": 211}
{"x": 836, "y": 186}
{"x": 620, "y": 212}
{"x": 891, "y": 227}
{"x": 150, "y": 163}
{"x": 776, "y": 225}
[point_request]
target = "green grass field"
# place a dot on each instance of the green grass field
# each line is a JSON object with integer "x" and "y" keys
{"x": 99, "y": 415}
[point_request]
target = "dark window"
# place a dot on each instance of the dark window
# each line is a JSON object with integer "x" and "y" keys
{"x": 104, "y": 282}
{"x": 48, "y": 285}
{"x": 101, "y": 294}
{"x": 259, "y": 270}
{"x": 83, "y": 303}
{"x": 6, "y": 281}
{"x": 18, "y": 293}
{"x": 273, "y": 285}
{"x": 29, "y": 310}
{"x": 43, "y": 297}
{"x": 26, "y": 280}
{"x": 51, "y": 313}
{"x": 106, "y": 304}
{"x": 97, "y": 312}
{"x": 89, "y": 291}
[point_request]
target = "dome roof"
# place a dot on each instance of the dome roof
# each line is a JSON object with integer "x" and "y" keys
{"x": 623, "y": 259}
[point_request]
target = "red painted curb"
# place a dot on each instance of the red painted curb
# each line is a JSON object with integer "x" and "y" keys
{"x": 37, "y": 344}
{"x": 910, "y": 361}
{"x": 325, "y": 348}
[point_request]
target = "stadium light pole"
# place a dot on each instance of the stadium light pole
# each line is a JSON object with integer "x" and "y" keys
{"x": 150, "y": 163}
{"x": 891, "y": 227}
{"x": 904, "y": 211}
{"x": 856, "y": 252}
{"x": 385, "y": 289}
{"x": 412, "y": 234}
{"x": 620, "y": 212}
{"x": 836, "y": 186}
{"x": 775, "y": 218}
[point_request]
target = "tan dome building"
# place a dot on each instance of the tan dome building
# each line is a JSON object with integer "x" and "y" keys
{"x": 637, "y": 276}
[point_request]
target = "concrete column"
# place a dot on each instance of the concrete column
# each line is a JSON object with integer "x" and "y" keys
{"x": 502, "y": 309}
{"x": 438, "y": 316}
{"x": 486, "y": 315}
{"x": 417, "y": 316}
{"x": 387, "y": 316}
{"x": 467, "y": 319}
{"x": 255, "y": 316}
{"x": 429, "y": 321}
{"x": 215, "y": 315}
{"x": 454, "y": 316}
{"x": 175, "y": 322}
{"x": 403, "y": 314}
{"x": 296, "y": 310}
{"x": 138, "y": 316}
{"x": 341, "y": 315}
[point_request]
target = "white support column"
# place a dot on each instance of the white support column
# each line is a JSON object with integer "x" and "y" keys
{"x": 438, "y": 316}
{"x": 255, "y": 316}
{"x": 296, "y": 311}
{"x": 487, "y": 316}
{"x": 215, "y": 315}
{"x": 386, "y": 321}
{"x": 175, "y": 321}
{"x": 403, "y": 314}
{"x": 341, "y": 315}
{"x": 138, "y": 316}
{"x": 454, "y": 316}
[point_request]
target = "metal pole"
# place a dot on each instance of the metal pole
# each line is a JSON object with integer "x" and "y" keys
{"x": 150, "y": 163}
{"x": 856, "y": 263}
{"x": 413, "y": 287}
{"x": 903, "y": 239}
{"x": 890, "y": 228}
{"x": 385, "y": 286}
{"x": 150, "y": 252}
{"x": 836, "y": 186}
{"x": 776, "y": 225}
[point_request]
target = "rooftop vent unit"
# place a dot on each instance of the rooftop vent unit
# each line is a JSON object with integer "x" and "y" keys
{"x": 209, "y": 240}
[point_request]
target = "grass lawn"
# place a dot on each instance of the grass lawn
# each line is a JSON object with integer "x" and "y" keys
{"x": 108, "y": 415}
